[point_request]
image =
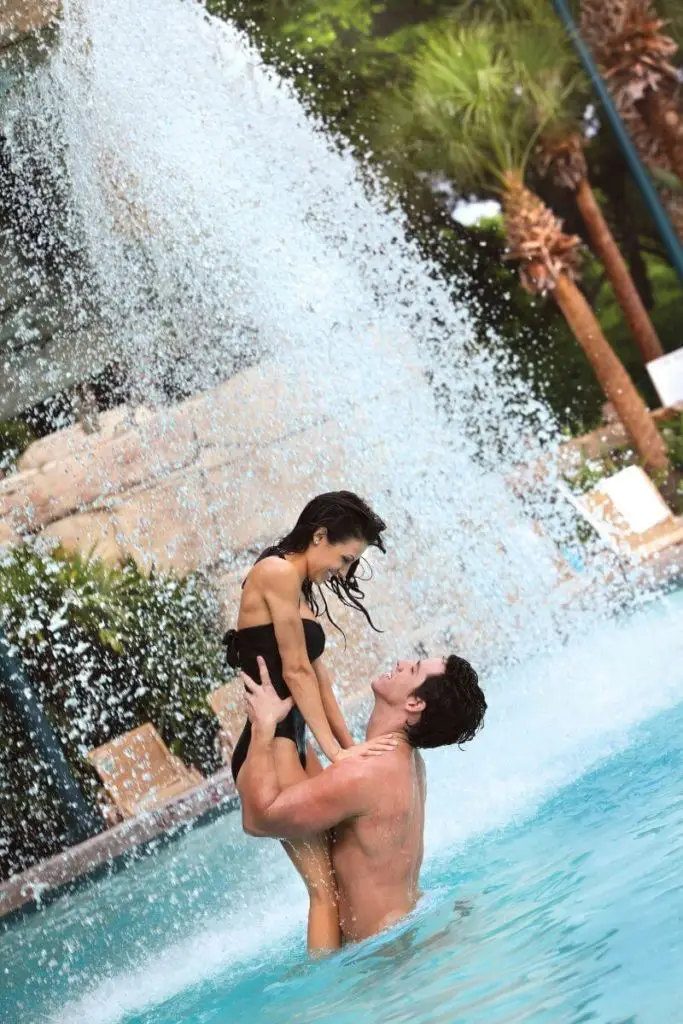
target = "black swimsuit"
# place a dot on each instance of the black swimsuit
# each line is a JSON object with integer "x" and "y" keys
{"x": 247, "y": 645}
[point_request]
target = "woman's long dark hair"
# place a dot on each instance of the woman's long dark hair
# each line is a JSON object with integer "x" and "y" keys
{"x": 344, "y": 516}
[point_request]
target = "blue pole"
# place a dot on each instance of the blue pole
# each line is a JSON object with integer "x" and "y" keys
{"x": 80, "y": 819}
{"x": 669, "y": 237}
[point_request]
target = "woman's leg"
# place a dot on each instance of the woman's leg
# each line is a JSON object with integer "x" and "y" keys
{"x": 311, "y": 857}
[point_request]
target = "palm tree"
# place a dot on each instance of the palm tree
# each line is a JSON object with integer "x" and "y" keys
{"x": 635, "y": 57}
{"x": 466, "y": 107}
{"x": 562, "y": 156}
{"x": 556, "y": 92}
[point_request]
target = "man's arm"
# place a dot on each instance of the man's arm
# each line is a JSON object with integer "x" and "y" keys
{"x": 342, "y": 791}
{"x": 339, "y": 793}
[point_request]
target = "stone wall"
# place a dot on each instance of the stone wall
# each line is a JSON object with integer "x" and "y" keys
{"x": 181, "y": 487}
{"x": 20, "y": 17}
{"x": 200, "y": 485}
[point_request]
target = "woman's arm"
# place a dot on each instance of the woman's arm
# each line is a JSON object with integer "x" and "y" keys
{"x": 281, "y": 588}
{"x": 332, "y": 709}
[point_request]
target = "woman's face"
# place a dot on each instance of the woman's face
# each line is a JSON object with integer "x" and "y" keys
{"x": 326, "y": 560}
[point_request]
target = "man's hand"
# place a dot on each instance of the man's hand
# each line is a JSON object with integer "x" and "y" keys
{"x": 265, "y": 709}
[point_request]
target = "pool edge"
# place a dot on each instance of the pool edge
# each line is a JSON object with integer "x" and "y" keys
{"x": 115, "y": 849}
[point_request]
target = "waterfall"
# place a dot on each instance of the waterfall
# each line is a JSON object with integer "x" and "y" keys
{"x": 220, "y": 228}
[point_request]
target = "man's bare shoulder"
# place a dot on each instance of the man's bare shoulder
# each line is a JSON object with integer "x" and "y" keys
{"x": 377, "y": 776}
{"x": 351, "y": 771}
{"x": 362, "y": 775}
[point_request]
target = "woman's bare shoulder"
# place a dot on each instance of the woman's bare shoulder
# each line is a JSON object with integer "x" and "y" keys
{"x": 273, "y": 571}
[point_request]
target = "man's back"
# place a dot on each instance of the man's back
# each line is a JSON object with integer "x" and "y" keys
{"x": 377, "y": 855}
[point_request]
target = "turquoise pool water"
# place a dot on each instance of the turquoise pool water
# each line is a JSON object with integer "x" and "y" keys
{"x": 576, "y": 916}
{"x": 554, "y": 883}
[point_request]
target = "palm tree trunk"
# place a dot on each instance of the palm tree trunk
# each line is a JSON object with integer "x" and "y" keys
{"x": 618, "y": 273}
{"x": 623, "y": 215}
{"x": 611, "y": 374}
{"x": 666, "y": 124}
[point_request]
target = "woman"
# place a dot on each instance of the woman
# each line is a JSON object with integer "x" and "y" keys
{"x": 278, "y": 621}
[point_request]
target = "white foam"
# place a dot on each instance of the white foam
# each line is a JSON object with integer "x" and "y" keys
{"x": 551, "y": 720}
{"x": 231, "y": 942}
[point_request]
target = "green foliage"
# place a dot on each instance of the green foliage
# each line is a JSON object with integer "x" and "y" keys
{"x": 486, "y": 83}
{"x": 15, "y": 437}
{"x": 106, "y": 649}
{"x": 331, "y": 52}
{"x": 671, "y": 11}
{"x": 462, "y": 114}
{"x": 672, "y": 432}
{"x": 665, "y": 317}
{"x": 591, "y": 471}
{"x": 354, "y": 62}
{"x": 666, "y": 179}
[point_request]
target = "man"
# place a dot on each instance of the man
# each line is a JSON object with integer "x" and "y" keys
{"x": 373, "y": 806}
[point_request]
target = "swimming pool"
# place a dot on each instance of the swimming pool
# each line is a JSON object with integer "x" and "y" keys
{"x": 554, "y": 881}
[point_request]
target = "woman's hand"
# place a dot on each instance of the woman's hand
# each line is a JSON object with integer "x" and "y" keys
{"x": 371, "y": 748}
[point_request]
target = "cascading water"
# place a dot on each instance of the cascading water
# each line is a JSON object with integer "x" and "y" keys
{"x": 221, "y": 228}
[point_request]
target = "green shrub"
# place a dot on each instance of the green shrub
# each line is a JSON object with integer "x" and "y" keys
{"x": 105, "y": 649}
{"x": 15, "y": 437}
{"x": 590, "y": 471}
{"x": 672, "y": 432}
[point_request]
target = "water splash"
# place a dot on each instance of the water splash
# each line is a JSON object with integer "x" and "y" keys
{"x": 221, "y": 228}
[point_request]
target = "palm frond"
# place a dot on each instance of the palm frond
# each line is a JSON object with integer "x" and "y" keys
{"x": 482, "y": 93}
{"x": 548, "y": 69}
{"x": 465, "y": 92}
{"x": 465, "y": 73}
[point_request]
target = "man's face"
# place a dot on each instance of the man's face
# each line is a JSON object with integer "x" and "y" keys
{"x": 395, "y": 687}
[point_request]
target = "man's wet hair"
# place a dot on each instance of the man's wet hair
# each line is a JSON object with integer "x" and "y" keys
{"x": 454, "y": 706}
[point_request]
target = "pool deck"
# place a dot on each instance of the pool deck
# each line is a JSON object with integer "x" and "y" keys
{"x": 116, "y": 847}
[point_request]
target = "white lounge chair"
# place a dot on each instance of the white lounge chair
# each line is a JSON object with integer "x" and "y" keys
{"x": 139, "y": 773}
{"x": 629, "y": 513}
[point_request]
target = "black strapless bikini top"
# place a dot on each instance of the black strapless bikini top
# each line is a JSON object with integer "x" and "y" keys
{"x": 244, "y": 646}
